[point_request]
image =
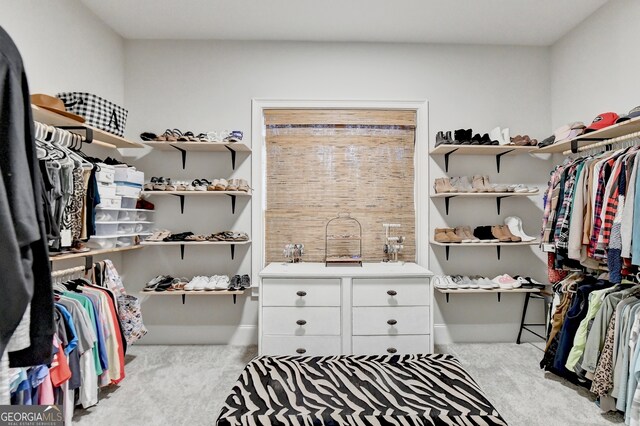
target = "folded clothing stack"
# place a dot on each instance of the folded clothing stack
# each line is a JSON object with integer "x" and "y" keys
{"x": 502, "y": 282}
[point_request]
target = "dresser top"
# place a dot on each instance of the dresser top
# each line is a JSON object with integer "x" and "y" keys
{"x": 319, "y": 270}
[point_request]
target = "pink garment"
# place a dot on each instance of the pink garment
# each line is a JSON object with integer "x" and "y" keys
{"x": 46, "y": 392}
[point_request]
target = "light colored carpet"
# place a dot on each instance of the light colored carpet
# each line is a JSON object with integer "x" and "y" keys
{"x": 186, "y": 385}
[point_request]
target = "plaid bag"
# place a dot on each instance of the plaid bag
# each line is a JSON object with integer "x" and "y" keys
{"x": 98, "y": 112}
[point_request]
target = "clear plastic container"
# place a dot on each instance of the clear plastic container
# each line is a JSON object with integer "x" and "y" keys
{"x": 126, "y": 228}
{"x": 146, "y": 215}
{"x": 125, "y": 241}
{"x": 127, "y": 216}
{"x": 106, "y": 228}
{"x": 100, "y": 243}
{"x": 129, "y": 202}
{"x": 104, "y": 215}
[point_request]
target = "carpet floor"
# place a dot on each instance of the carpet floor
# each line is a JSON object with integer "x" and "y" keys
{"x": 186, "y": 385}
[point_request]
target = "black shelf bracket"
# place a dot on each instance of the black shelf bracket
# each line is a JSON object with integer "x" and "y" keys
{"x": 446, "y": 251}
{"x": 181, "y": 251}
{"x": 498, "y": 251}
{"x": 233, "y": 203}
{"x": 181, "y": 202}
{"x": 88, "y": 138}
{"x": 498, "y": 157}
{"x": 446, "y": 204}
{"x": 499, "y": 202}
{"x": 234, "y": 298}
{"x": 233, "y": 157}
{"x": 233, "y": 251}
{"x": 184, "y": 156}
{"x": 184, "y": 297}
{"x": 446, "y": 295}
{"x": 498, "y": 293}
{"x": 446, "y": 159}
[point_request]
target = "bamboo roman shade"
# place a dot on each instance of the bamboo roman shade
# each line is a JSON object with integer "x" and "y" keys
{"x": 320, "y": 163}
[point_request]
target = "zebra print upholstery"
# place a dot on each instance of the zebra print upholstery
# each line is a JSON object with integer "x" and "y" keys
{"x": 357, "y": 390}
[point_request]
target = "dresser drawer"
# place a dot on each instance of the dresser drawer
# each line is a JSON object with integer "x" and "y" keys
{"x": 391, "y": 292}
{"x": 307, "y": 321}
{"x": 300, "y": 292}
{"x": 300, "y": 345}
{"x": 388, "y": 345}
{"x": 391, "y": 321}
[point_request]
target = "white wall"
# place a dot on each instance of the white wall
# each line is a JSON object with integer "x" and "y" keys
{"x": 594, "y": 67}
{"x": 202, "y": 86}
{"x": 65, "y": 47}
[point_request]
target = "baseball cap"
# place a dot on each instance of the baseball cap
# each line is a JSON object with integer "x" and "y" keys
{"x": 569, "y": 131}
{"x": 632, "y": 114}
{"x": 603, "y": 120}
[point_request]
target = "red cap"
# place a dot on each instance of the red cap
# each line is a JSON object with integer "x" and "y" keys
{"x": 605, "y": 119}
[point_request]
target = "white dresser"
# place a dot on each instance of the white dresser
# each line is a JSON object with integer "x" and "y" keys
{"x": 310, "y": 309}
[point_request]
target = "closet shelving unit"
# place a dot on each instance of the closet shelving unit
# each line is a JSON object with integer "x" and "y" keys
{"x": 499, "y": 196}
{"x": 617, "y": 130}
{"x": 182, "y": 244}
{"x": 184, "y": 147}
{"x": 182, "y": 194}
{"x": 498, "y": 151}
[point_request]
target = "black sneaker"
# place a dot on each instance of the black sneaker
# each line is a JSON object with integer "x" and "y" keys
{"x": 440, "y": 139}
{"x": 476, "y": 139}
{"x": 234, "y": 284}
{"x": 245, "y": 282}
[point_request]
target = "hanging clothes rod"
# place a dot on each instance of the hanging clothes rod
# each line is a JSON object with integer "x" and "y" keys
{"x": 619, "y": 139}
{"x": 66, "y": 272}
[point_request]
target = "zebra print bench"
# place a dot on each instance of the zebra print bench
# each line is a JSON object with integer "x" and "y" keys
{"x": 357, "y": 390}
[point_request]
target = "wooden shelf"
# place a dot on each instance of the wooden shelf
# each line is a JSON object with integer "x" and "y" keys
{"x": 484, "y": 194}
{"x": 100, "y": 137}
{"x": 493, "y": 290}
{"x": 192, "y": 293}
{"x": 238, "y": 193}
{"x": 481, "y": 149}
{"x": 67, "y": 256}
{"x": 615, "y": 131}
{"x": 193, "y": 243}
{"x": 522, "y": 243}
{"x": 200, "y": 146}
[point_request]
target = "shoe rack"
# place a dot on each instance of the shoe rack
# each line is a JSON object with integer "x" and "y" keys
{"x": 447, "y": 150}
{"x": 199, "y": 147}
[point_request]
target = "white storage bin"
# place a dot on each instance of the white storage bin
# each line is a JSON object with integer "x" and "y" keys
{"x": 110, "y": 202}
{"x": 129, "y": 175}
{"x": 106, "y": 190}
{"x": 128, "y": 191}
{"x": 106, "y": 174}
{"x": 106, "y": 228}
{"x": 143, "y": 228}
{"x": 125, "y": 241}
{"x": 129, "y": 202}
{"x": 145, "y": 215}
{"x": 103, "y": 215}
{"x": 98, "y": 243}
{"x": 127, "y": 216}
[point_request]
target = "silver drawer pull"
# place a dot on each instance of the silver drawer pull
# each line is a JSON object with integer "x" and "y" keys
{"x": 301, "y": 322}
{"x": 301, "y": 350}
{"x": 392, "y": 350}
{"x": 392, "y": 292}
{"x": 392, "y": 322}
{"x": 301, "y": 293}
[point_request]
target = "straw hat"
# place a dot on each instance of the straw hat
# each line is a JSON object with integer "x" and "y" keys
{"x": 54, "y": 104}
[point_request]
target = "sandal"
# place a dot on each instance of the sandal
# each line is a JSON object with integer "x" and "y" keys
{"x": 178, "y": 237}
{"x": 233, "y": 184}
{"x": 167, "y": 136}
{"x": 169, "y": 186}
{"x": 151, "y": 285}
{"x": 158, "y": 236}
{"x": 198, "y": 185}
{"x": 148, "y": 136}
{"x": 149, "y": 185}
{"x": 243, "y": 185}
{"x": 160, "y": 184}
{"x": 195, "y": 238}
{"x": 202, "y": 137}
{"x": 221, "y": 185}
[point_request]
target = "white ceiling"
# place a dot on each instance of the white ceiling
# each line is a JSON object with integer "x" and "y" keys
{"x": 515, "y": 22}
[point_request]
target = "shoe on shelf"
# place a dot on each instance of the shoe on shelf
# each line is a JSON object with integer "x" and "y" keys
{"x": 470, "y": 282}
{"x": 505, "y": 282}
{"x": 245, "y": 282}
{"x": 443, "y": 185}
{"x": 493, "y": 187}
{"x": 440, "y": 139}
{"x": 496, "y": 231}
{"x": 522, "y": 281}
{"x": 505, "y": 137}
{"x": 459, "y": 231}
{"x": 469, "y": 235}
{"x": 478, "y": 184}
{"x": 453, "y": 237}
{"x": 496, "y": 136}
{"x": 535, "y": 283}
{"x": 514, "y": 238}
{"x": 483, "y": 233}
{"x": 437, "y": 280}
{"x": 483, "y": 283}
{"x": 459, "y": 282}
{"x": 451, "y": 284}
{"x": 476, "y": 139}
{"x": 514, "y": 224}
{"x": 446, "y": 235}
{"x": 462, "y": 184}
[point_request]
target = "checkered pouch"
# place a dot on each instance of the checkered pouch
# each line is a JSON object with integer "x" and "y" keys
{"x": 98, "y": 112}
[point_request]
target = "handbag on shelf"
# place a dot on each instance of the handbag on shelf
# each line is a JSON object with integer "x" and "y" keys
{"x": 98, "y": 112}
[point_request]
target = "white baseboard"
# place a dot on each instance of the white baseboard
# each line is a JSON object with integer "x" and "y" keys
{"x": 445, "y": 334}
{"x": 242, "y": 335}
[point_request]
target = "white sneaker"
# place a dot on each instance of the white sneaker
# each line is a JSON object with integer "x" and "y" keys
{"x": 485, "y": 284}
{"x": 222, "y": 282}
{"x": 470, "y": 282}
{"x": 505, "y": 136}
{"x": 439, "y": 282}
{"x": 504, "y": 281}
{"x": 496, "y": 135}
{"x": 191, "y": 285}
{"x": 451, "y": 285}
{"x": 201, "y": 283}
